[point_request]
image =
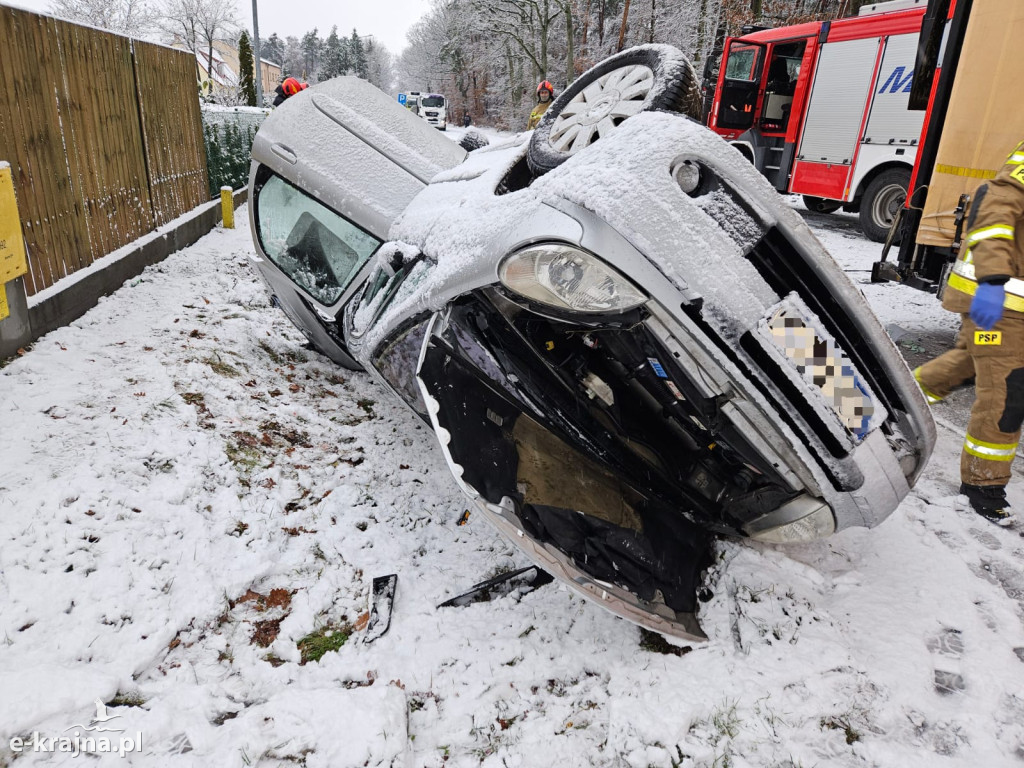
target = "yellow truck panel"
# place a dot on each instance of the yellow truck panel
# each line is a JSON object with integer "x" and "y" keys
{"x": 985, "y": 120}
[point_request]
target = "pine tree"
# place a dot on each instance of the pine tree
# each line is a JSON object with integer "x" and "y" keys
{"x": 272, "y": 49}
{"x": 312, "y": 54}
{"x": 335, "y": 56}
{"x": 233, "y": 144}
{"x": 214, "y": 158}
{"x": 246, "y": 71}
{"x": 357, "y": 56}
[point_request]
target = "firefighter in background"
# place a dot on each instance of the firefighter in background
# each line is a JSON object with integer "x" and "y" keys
{"x": 288, "y": 87}
{"x": 986, "y": 286}
{"x": 545, "y": 93}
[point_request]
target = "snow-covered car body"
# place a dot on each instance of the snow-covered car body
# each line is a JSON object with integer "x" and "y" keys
{"x": 332, "y": 168}
{"x": 692, "y": 407}
{"x": 638, "y": 349}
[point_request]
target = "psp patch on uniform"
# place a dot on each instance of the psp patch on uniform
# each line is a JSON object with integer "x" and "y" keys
{"x": 1018, "y": 174}
{"x": 988, "y": 338}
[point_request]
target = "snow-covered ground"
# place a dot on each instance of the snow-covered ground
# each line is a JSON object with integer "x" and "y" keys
{"x": 191, "y": 503}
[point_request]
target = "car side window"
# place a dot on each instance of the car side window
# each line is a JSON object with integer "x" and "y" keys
{"x": 393, "y": 280}
{"x": 397, "y": 363}
{"x": 319, "y": 250}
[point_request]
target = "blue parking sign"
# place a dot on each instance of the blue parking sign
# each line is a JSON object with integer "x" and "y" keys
{"x": 401, "y": 99}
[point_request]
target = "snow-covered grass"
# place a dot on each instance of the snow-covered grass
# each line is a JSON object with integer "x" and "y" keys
{"x": 193, "y": 507}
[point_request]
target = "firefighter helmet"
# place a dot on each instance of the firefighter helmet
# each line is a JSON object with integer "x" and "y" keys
{"x": 291, "y": 86}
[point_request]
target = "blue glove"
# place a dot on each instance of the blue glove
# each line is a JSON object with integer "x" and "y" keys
{"x": 987, "y": 307}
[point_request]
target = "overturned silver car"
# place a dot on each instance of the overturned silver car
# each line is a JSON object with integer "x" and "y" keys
{"x": 624, "y": 339}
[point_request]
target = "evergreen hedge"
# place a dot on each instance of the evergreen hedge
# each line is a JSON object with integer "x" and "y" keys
{"x": 228, "y": 147}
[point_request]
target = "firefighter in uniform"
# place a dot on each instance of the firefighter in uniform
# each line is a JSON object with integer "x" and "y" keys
{"x": 986, "y": 286}
{"x": 545, "y": 93}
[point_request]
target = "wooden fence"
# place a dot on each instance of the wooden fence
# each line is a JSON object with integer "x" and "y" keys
{"x": 104, "y": 137}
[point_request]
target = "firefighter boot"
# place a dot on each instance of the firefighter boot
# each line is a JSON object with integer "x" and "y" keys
{"x": 930, "y": 396}
{"x": 989, "y": 501}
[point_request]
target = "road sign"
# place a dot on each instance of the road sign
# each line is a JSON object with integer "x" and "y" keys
{"x": 401, "y": 99}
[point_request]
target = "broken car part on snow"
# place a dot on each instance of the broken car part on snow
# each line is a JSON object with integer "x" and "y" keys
{"x": 624, "y": 340}
{"x": 382, "y": 603}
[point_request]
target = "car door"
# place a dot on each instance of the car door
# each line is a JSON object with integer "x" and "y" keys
{"x": 741, "y": 83}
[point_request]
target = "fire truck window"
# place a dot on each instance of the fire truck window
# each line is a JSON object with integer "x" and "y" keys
{"x": 742, "y": 64}
{"x": 740, "y": 87}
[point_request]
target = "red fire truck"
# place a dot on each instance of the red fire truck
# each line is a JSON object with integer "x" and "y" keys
{"x": 821, "y": 109}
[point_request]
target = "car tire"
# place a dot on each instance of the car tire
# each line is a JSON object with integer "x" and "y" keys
{"x": 882, "y": 200}
{"x": 473, "y": 139}
{"x": 656, "y": 77}
{"x": 822, "y": 204}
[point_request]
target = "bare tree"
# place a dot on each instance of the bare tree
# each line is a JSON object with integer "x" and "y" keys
{"x": 179, "y": 19}
{"x": 218, "y": 20}
{"x": 483, "y": 54}
{"x": 622, "y": 26}
{"x": 128, "y": 17}
{"x": 380, "y": 66}
{"x": 527, "y": 24}
{"x": 199, "y": 23}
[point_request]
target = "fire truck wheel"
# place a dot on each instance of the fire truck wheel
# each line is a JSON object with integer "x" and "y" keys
{"x": 821, "y": 204}
{"x": 882, "y": 201}
{"x": 641, "y": 79}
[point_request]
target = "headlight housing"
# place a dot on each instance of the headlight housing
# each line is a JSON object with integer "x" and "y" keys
{"x": 567, "y": 278}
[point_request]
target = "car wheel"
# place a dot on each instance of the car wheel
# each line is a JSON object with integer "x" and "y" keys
{"x": 641, "y": 79}
{"x": 882, "y": 201}
{"x": 473, "y": 139}
{"x": 822, "y": 204}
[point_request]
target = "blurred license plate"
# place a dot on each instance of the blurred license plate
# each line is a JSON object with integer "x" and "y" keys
{"x": 822, "y": 364}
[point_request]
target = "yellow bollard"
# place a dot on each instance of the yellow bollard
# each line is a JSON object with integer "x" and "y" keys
{"x": 227, "y": 207}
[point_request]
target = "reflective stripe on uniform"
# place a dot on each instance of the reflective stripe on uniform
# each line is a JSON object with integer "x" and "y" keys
{"x": 990, "y": 451}
{"x": 962, "y": 278}
{"x": 931, "y": 397}
{"x": 1016, "y": 158}
{"x": 997, "y": 231}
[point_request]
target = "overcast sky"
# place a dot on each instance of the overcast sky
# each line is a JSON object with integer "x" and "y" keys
{"x": 386, "y": 20}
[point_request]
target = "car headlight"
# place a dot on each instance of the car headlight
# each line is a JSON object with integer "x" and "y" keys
{"x": 568, "y": 278}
